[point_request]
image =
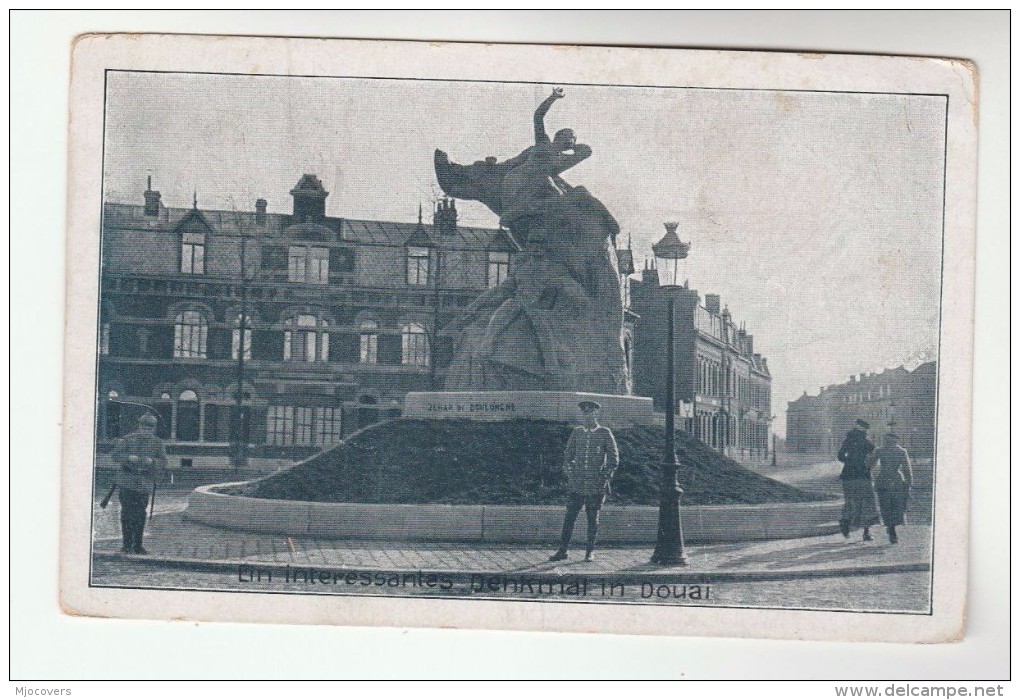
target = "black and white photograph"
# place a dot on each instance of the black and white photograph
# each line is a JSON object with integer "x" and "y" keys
{"x": 573, "y": 336}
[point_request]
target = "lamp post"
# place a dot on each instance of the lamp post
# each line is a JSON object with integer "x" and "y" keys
{"x": 669, "y": 541}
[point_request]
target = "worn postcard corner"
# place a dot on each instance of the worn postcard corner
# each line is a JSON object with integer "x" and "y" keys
{"x": 497, "y": 336}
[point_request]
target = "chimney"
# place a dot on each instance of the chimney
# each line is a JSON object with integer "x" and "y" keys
{"x": 712, "y": 303}
{"x": 152, "y": 202}
{"x": 309, "y": 199}
{"x": 650, "y": 275}
{"x": 750, "y": 344}
{"x": 445, "y": 217}
{"x": 260, "y": 211}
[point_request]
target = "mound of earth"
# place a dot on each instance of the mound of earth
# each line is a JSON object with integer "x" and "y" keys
{"x": 506, "y": 463}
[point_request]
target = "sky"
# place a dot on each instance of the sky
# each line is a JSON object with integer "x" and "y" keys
{"x": 816, "y": 216}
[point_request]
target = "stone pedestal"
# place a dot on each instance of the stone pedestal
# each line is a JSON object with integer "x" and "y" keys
{"x": 617, "y": 411}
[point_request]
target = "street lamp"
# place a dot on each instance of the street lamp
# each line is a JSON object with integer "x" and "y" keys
{"x": 669, "y": 540}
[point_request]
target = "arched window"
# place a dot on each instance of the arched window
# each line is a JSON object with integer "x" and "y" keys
{"x": 369, "y": 351}
{"x": 235, "y": 337}
{"x": 305, "y": 339}
{"x": 414, "y": 345}
{"x": 190, "y": 334}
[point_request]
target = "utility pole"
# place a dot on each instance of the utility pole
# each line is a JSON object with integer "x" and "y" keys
{"x": 240, "y": 439}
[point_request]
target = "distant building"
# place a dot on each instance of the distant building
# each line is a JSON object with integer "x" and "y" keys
{"x": 723, "y": 387}
{"x": 333, "y": 322}
{"x": 896, "y": 400}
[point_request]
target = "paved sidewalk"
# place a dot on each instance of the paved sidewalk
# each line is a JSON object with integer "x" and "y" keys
{"x": 175, "y": 542}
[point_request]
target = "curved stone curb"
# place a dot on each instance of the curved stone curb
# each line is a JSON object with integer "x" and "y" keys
{"x": 502, "y": 524}
{"x": 557, "y": 573}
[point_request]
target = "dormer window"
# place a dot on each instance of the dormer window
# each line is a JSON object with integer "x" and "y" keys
{"x": 498, "y": 268}
{"x": 193, "y": 257}
{"x": 193, "y": 229}
{"x": 308, "y": 264}
{"x": 417, "y": 265}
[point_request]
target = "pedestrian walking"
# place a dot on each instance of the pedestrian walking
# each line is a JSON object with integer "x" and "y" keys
{"x": 589, "y": 460}
{"x": 860, "y": 509}
{"x": 142, "y": 459}
{"x": 892, "y": 482}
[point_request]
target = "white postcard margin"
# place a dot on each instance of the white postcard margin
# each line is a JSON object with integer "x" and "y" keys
{"x": 93, "y": 54}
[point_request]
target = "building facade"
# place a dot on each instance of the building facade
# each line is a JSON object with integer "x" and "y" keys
{"x": 895, "y": 400}
{"x": 723, "y": 387}
{"x": 279, "y": 332}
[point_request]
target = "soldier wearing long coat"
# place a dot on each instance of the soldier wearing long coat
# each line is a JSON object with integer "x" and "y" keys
{"x": 892, "y": 483}
{"x": 142, "y": 460}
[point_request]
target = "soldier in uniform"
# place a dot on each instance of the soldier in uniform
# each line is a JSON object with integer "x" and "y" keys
{"x": 892, "y": 483}
{"x": 142, "y": 459}
{"x": 589, "y": 460}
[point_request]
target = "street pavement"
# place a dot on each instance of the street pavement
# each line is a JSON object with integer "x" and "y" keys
{"x": 820, "y": 573}
{"x": 815, "y": 573}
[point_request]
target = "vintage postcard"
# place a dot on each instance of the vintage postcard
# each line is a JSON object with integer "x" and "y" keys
{"x": 519, "y": 337}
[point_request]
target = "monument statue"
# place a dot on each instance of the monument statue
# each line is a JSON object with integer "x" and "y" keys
{"x": 556, "y": 322}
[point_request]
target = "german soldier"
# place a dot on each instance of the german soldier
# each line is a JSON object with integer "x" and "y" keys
{"x": 589, "y": 460}
{"x": 142, "y": 459}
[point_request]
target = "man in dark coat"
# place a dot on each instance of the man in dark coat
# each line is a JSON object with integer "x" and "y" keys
{"x": 142, "y": 459}
{"x": 860, "y": 508}
{"x": 589, "y": 460}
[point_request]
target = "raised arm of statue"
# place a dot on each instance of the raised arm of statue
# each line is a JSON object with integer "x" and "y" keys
{"x": 540, "y": 135}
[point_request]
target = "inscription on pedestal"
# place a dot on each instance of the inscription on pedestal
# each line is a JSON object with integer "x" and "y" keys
{"x": 470, "y": 408}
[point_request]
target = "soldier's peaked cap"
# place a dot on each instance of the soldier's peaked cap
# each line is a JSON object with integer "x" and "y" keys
{"x": 589, "y": 406}
{"x": 148, "y": 419}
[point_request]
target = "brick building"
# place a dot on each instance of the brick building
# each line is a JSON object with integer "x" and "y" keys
{"x": 723, "y": 386}
{"x": 898, "y": 400}
{"x": 332, "y": 322}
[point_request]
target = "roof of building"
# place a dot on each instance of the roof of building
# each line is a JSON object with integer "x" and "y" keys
{"x": 368, "y": 232}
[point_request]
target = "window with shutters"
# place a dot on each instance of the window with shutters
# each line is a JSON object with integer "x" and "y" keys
{"x": 306, "y": 339}
{"x": 369, "y": 337}
{"x": 191, "y": 332}
{"x": 414, "y": 345}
